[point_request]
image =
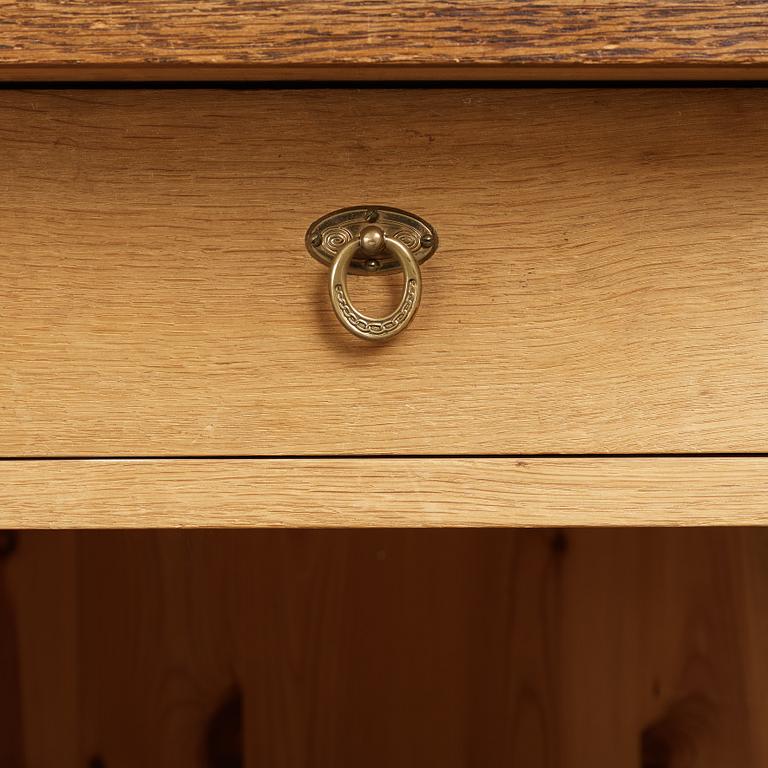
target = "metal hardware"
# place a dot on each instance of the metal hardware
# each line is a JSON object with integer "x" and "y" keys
{"x": 327, "y": 236}
{"x": 370, "y": 240}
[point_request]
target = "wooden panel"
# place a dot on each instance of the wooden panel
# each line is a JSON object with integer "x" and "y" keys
{"x": 383, "y": 492}
{"x": 246, "y": 39}
{"x": 601, "y": 286}
{"x": 11, "y": 717}
{"x": 156, "y": 639}
{"x": 41, "y": 581}
{"x": 751, "y": 591}
{"x": 559, "y": 649}
{"x": 15, "y": 75}
{"x": 659, "y": 620}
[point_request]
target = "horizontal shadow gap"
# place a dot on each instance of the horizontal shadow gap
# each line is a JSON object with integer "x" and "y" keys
{"x": 392, "y": 456}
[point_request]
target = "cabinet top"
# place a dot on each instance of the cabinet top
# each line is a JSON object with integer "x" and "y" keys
{"x": 373, "y": 39}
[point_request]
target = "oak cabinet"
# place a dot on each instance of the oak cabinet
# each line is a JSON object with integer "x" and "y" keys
{"x": 581, "y": 397}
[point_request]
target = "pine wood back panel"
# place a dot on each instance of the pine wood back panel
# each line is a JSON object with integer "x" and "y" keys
{"x": 600, "y": 287}
{"x": 237, "y": 38}
{"x": 563, "y": 649}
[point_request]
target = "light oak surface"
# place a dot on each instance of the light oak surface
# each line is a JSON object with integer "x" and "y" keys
{"x": 548, "y": 649}
{"x": 241, "y": 38}
{"x": 383, "y": 492}
{"x": 601, "y": 286}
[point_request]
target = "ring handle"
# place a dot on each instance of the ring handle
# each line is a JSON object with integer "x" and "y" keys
{"x": 372, "y": 241}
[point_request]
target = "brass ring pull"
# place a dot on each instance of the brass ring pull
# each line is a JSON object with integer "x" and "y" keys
{"x": 372, "y": 241}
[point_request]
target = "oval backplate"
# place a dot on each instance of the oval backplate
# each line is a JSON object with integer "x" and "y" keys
{"x": 328, "y": 235}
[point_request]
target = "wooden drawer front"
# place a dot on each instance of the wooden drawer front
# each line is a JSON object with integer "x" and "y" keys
{"x": 602, "y": 282}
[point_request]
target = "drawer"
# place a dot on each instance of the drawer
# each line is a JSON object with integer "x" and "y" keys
{"x": 601, "y": 283}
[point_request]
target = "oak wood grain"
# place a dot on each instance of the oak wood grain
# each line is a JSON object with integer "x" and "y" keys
{"x": 383, "y": 492}
{"x": 600, "y": 285}
{"x": 240, "y": 38}
{"x": 554, "y": 648}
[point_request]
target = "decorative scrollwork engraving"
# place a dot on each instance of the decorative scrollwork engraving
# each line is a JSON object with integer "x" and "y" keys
{"x": 327, "y": 237}
{"x": 335, "y": 238}
{"x": 410, "y": 238}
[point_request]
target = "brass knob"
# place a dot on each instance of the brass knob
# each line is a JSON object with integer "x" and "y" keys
{"x": 372, "y": 240}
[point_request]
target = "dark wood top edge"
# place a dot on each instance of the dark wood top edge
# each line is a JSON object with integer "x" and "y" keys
{"x": 246, "y": 38}
{"x": 262, "y": 73}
